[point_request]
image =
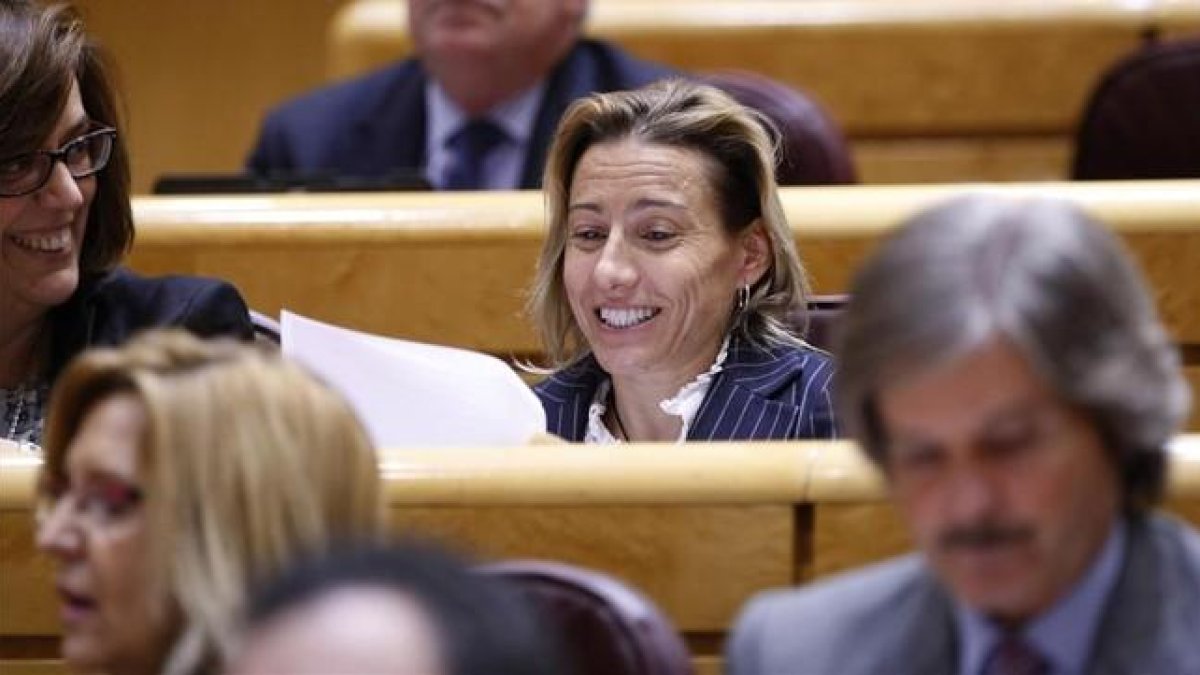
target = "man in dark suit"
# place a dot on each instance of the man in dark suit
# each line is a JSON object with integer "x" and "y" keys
{"x": 476, "y": 109}
{"x": 1002, "y": 362}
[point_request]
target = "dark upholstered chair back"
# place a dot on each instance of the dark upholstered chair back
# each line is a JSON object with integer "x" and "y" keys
{"x": 813, "y": 150}
{"x": 823, "y": 313}
{"x": 1143, "y": 120}
{"x": 605, "y": 626}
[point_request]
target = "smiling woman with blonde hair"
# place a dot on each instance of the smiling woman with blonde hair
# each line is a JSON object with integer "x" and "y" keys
{"x": 669, "y": 294}
{"x": 179, "y": 472}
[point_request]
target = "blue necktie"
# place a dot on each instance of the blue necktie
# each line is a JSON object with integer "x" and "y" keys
{"x": 1014, "y": 656}
{"x": 469, "y": 147}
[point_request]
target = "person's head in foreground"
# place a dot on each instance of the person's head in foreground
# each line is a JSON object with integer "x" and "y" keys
{"x": 1003, "y": 364}
{"x": 176, "y": 473}
{"x": 666, "y": 242}
{"x": 406, "y": 609}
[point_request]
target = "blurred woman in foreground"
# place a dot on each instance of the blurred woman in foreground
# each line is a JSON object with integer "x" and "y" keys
{"x": 178, "y": 472}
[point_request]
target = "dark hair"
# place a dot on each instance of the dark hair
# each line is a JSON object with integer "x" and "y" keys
{"x": 42, "y": 51}
{"x": 1049, "y": 278}
{"x": 485, "y": 627}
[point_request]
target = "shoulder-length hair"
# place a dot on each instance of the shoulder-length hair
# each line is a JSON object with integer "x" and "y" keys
{"x": 738, "y": 143}
{"x": 43, "y": 50}
{"x": 1052, "y": 281}
{"x": 247, "y": 462}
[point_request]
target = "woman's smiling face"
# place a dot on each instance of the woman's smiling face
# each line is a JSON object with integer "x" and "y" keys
{"x": 41, "y": 233}
{"x": 650, "y": 270}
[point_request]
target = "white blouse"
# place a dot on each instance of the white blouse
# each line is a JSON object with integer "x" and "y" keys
{"x": 684, "y": 404}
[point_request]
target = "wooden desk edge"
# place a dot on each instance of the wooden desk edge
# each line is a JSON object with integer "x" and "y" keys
{"x": 637, "y": 474}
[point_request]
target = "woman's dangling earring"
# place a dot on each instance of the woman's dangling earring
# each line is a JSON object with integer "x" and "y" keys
{"x": 743, "y": 297}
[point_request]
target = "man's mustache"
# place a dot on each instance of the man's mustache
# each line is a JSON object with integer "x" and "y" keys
{"x": 983, "y": 536}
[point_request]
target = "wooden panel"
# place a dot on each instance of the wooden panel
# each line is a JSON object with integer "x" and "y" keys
{"x": 1187, "y": 508}
{"x": 199, "y": 76}
{"x": 668, "y": 552}
{"x": 388, "y": 288}
{"x": 38, "y": 667}
{"x": 1177, "y": 18}
{"x": 1166, "y": 260}
{"x": 708, "y": 665}
{"x": 961, "y": 158}
{"x": 849, "y": 535}
{"x": 421, "y": 285}
{"x": 26, "y": 580}
{"x": 453, "y": 269}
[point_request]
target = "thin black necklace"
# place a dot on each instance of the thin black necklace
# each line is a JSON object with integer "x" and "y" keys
{"x": 617, "y": 418}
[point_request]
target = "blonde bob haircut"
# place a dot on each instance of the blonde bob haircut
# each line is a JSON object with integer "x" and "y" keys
{"x": 247, "y": 463}
{"x": 739, "y": 146}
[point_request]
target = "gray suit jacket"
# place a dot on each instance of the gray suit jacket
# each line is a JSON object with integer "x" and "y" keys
{"x": 894, "y": 618}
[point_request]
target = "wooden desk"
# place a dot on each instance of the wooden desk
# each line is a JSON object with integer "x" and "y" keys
{"x": 699, "y": 527}
{"x": 927, "y": 90}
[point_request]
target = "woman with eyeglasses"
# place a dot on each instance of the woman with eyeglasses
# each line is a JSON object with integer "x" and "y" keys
{"x": 65, "y": 220}
{"x": 178, "y": 473}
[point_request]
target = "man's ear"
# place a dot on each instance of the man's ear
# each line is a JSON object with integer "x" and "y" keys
{"x": 755, "y": 249}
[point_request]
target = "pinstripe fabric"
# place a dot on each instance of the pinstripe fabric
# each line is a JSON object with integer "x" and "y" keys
{"x": 777, "y": 393}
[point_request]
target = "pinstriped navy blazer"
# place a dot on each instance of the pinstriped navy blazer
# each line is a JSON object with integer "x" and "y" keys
{"x": 760, "y": 394}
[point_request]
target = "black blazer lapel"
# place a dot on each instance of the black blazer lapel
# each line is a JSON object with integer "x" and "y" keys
{"x": 566, "y": 397}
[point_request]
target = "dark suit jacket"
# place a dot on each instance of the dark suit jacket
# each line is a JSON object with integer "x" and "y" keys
{"x": 375, "y": 125}
{"x": 109, "y": 308}
{"x": 896, "y": 618}
{"x": 778, "y": 393}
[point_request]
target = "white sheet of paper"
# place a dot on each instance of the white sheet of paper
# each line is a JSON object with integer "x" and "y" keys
{"x": 414, "y": 394}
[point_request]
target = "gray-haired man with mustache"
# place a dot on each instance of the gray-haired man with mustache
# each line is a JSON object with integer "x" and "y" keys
{"x": 1003, "y": 364}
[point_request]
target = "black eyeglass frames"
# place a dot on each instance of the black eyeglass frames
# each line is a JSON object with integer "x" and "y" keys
{"x": 83, "y": 156}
